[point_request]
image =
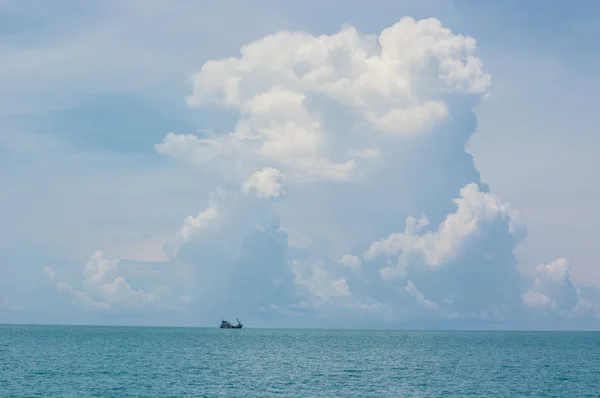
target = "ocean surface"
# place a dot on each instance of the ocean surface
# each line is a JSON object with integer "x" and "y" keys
{"x": 79, "y": 361}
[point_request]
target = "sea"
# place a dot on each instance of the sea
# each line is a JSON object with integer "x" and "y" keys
{"x": 96, "y": 361}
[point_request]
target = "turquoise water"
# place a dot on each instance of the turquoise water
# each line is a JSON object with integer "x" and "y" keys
{"x": 128, "y": 361}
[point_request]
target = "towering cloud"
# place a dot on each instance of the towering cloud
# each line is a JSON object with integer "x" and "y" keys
{"x": 346, "y": 187}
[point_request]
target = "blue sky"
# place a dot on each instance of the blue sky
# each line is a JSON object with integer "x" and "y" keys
{"x": 421, "y": 181}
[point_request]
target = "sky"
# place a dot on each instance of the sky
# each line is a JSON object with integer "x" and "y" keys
{"x": 410, "y": 164}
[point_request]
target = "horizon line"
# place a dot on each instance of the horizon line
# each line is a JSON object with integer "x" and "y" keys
{"x": 4, "y": 324}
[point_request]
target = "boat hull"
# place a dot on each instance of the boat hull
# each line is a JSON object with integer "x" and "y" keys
{"x": 228, "y": 325}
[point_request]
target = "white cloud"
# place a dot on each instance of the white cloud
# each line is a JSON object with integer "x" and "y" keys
{"x": 266, "y": 183}
{"x": 60, "y": 286}
{"x": 583, "y": 305}
{"x": 102, "y": 287}
{"x": 538, "y": 300}
{"x": 275, "y": 82}
{"x": 474, "y": 210}
{"x": 552, "y": 287}
{"x": 320, "y": 282}
{"x": 193, "y": 149}
{"x": 352, "y": 262}
{"x": 411, "y": 289}
{"x": 558, "y": 271}
{"x": 192, "y": 225}
{"x": 378, "y": 76}
{"x": 410, "y": 120}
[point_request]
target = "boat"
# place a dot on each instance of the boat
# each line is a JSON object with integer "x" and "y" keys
{"x": 229, "y": 325}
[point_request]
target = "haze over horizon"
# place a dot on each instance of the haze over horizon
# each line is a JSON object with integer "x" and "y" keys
{"x": 413, "y": 165}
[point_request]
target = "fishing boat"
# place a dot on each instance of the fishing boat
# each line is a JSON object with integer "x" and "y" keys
{"x": 228, "y": 325}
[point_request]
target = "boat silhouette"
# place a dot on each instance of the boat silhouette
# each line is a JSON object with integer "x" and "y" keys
{"x": 228, "y": 325}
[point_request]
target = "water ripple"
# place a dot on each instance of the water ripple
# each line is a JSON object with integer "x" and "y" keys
{"x": 173, "y": 362}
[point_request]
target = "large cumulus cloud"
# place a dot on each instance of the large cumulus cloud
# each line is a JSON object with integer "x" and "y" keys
{"x": 345, "y": 186}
